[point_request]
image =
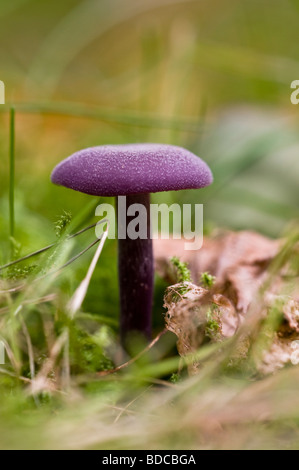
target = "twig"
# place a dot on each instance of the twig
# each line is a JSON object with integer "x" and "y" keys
{"x": 119, "y": 408}
{"x": 126, "y": 408}
{"x": 134, "y": 359}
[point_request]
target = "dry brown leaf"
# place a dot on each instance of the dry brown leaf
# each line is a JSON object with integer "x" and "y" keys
{"x": 195, "y": 314}
{"x": 284, "y": 349}
{"x": 291, "y": 312}
{"x": 280, "y": 354}
{"x": 240, "y": 262}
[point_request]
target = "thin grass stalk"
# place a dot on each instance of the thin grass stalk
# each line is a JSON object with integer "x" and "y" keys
{"x": 12, "y": 173}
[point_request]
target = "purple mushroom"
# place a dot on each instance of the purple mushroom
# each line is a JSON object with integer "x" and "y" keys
{"x": 133, "y": 171}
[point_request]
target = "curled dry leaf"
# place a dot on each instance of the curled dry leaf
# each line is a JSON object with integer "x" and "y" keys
{"x": 240, "y": 263}
{"x": 194, "y": 315}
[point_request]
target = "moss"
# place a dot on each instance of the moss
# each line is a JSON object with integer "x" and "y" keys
{"x": 207, "y": 280}
{"x": 180, "y": 291}
{"x": 86, "y": 354}
{"x": 16, "y": 273}
{"x": 62, "y": 223}
{"x": 182, "y": 272}
{"x": 213, "y": 328}
{"x": 175, "y": 378}
{"x": 182, "y": 276}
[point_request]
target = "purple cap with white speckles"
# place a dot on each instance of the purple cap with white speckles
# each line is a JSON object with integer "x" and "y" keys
{"x": 120, "y": 170}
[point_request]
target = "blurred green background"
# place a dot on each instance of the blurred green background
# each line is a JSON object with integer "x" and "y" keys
{"x": 210, "y": 75}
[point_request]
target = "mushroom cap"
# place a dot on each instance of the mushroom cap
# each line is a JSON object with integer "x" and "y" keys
{"x": 120, "y": 170}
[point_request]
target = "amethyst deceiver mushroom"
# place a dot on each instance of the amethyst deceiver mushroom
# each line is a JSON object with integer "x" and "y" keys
{"x": 133, "y": 171}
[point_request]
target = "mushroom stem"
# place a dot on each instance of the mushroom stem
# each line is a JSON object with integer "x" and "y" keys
{"x": 136, "y": 273}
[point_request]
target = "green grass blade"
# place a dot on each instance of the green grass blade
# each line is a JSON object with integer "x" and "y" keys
{"x": 12, "y": 174}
